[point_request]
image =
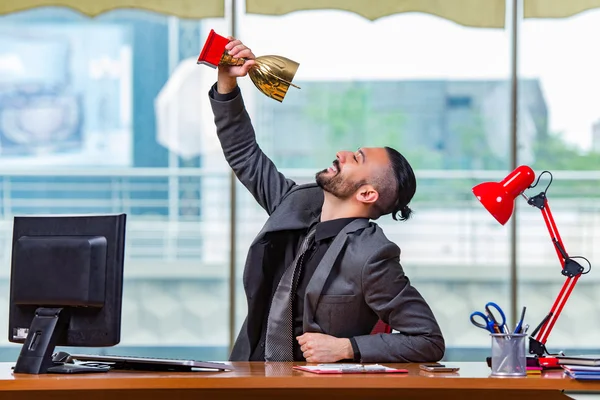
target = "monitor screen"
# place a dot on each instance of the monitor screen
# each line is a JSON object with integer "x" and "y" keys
{"x": 66, "y": 285}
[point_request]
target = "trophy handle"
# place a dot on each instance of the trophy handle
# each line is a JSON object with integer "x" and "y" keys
{"x": 279, "y": 78}
{"x": 226, "y": 59}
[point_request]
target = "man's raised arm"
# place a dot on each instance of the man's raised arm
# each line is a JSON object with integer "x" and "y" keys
{"x": 236, "y": 134}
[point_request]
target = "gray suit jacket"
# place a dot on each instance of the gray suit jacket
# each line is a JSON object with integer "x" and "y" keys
{"x": 343, "y": 302}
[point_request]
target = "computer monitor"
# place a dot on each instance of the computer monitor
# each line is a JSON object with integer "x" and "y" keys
{"x": 66, "y": 286}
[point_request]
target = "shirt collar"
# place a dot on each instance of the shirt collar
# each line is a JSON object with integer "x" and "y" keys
{"x": 328, "y": 229}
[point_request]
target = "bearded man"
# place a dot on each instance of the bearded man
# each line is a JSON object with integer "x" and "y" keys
{"x": 320, "y": 274}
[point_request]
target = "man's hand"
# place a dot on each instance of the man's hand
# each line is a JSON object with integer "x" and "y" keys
{"x": 318, "y": 347}
{"x": 228, "y": 74}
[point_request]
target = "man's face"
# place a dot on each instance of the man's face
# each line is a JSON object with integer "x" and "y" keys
{"x": 351, "y": 170}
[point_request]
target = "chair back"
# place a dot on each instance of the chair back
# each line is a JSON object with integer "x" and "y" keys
{"x": 381, "y": 327}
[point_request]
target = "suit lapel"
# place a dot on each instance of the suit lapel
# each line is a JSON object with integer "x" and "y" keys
{"x": 253, "y": 277}
{"x": 290, "y": 216}
{"x": 283, "y": 221}
{"x": 317, "y": 282}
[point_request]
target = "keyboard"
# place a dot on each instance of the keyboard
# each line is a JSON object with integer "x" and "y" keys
{"x": 149, "y": 363}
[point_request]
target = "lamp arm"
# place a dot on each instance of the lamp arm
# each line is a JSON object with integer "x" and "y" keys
{"x": 570, "y": 268}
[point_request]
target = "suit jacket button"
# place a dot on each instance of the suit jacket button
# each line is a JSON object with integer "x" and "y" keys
{"x": 262, "y": 344}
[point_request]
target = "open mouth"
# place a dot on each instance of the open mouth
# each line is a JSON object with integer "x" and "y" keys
{"x": 335, "y": 167}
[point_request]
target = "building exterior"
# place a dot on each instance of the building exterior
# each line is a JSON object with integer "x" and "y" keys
{"x": 442, "y": 124}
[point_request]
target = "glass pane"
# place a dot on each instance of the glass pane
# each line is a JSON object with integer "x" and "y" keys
{"x": 105, "y": 115}
{"x": 552, "y": 55}
{"x": 436, "y": 91}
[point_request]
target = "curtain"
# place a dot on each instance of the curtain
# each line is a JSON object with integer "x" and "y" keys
{"x": 474, "y": 13}
{"x": 195, "y": 9}
{"x": 556, "y": 8}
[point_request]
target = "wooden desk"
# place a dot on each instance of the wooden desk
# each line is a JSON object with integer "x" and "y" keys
{"x": 278, "y": 380}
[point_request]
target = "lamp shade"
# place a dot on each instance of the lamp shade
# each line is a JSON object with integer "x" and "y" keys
{"x": 499, "y": 197}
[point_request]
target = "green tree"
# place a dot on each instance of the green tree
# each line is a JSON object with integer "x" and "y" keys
{"x": 554, "y": 152}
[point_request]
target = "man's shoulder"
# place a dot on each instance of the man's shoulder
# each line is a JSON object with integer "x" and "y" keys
{"x": 373, "y": 237}
{"x": 374, "y": 231}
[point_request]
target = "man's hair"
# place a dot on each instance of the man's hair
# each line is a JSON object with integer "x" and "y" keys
{"x": 396, "y": 188}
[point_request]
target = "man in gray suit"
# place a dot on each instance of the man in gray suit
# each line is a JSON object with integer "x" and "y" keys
{"x": 320, "y": 274}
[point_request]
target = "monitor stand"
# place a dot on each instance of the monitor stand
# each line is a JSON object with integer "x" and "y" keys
{"x": 36, "y": 354}
{"x": 67, "y": 368}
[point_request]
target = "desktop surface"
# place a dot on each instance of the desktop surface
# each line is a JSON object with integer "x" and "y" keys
{"x": 273, "y": 380}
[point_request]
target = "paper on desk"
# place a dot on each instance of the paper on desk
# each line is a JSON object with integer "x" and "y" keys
{"x": 348, "y": 369}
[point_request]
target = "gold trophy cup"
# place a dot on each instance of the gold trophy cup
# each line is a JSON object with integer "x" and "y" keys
{"x": 272, "y": 75}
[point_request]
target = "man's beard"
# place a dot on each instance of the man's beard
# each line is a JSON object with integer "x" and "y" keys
{"x": 336, "y": 184}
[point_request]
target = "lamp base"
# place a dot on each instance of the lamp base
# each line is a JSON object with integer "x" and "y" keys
{"x": 548, "y": 362}
{"x": 535, "y": 361}
{"x": 540, "y": 353}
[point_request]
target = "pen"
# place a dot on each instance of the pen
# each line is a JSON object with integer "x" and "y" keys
{"x": 519, "y": 326}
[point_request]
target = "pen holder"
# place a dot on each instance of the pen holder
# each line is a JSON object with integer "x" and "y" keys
{"x": 509, "y": 354}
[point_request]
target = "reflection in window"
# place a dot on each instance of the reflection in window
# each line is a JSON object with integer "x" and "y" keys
{"x": 78, "y": 135}
{"x": 66, "y": 94}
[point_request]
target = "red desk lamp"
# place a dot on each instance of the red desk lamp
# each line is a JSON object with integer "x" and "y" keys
{"x": 499, "y": 198}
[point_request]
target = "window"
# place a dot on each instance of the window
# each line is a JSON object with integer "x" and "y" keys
{"x": 82, "y": 101}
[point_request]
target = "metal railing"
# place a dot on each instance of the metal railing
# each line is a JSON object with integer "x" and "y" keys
{"x": 178, "y": 242}
{"x": 449, "y": 226}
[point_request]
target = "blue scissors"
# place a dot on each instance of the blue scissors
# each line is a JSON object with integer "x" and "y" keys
{"x": 489, "y": 320}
